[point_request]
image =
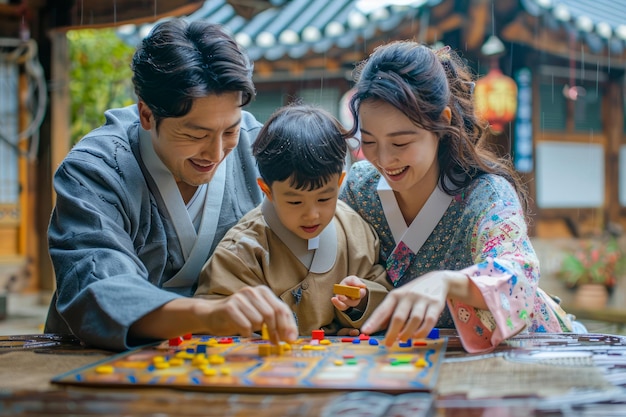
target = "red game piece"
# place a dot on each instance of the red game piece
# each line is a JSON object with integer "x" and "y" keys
{"x": 187, "y": 336}
{"x": 363, "y": 336}
{"x": 225, "y": 340}
{"x": 176, "y": 341}
{"x": 317, "y": 334}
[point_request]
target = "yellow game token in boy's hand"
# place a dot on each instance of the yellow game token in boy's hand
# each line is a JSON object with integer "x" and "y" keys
{"x": 347, "y": 290}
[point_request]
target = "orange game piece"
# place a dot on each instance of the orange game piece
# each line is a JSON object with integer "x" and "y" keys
{"x": 347, "y": 290}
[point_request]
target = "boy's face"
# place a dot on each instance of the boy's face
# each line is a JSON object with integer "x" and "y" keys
{"x": 304, "y": 213}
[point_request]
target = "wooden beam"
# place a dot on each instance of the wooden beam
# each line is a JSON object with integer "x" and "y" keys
{"x": 450, "y": 23}
{"x": 556, "y": 44}
{"x": 102, "y": 14}
{"x": 477, "y": 21}
{"x": 249, "y": 8}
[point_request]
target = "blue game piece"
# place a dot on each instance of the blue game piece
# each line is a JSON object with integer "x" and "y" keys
{"x": 201, "y": 349}
{"x": 434, "y": 334}
{"x": 356, "y": 340}
{"x": 373, "y": 342}
{"x": 408, "y": 343}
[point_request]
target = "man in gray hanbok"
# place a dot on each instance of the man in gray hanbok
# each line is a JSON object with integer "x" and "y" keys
{"x": 143, "y": 200}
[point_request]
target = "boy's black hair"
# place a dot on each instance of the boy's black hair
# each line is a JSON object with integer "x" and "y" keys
{"x": 301, "y": 142}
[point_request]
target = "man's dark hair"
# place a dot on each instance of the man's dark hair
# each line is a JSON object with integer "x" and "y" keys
{"x": 180, "y": 61}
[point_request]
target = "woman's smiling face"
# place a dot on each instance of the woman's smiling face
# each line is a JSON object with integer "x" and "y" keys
{"x": 404, "y": 153}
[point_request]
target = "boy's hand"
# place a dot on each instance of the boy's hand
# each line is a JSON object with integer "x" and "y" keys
{"x": 343, "y": 302}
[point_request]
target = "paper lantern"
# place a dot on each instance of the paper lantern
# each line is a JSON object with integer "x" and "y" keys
{"x": 495, "y": 97}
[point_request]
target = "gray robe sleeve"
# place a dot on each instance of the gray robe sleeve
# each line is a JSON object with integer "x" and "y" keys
{"x": 110, "y": 240}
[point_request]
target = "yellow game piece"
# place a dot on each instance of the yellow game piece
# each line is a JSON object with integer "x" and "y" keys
{"x": 264, "y": 350}
{"x": 199, "y": 360}
{"x": 216, "y": 359}
{"x": 421, "y": 363}
{"x": 325, "y": 342}
{"x": 105, "y": 369}
{"x": 307, "y": 347}
{"x": 158, "y": 359}
{"x": 347, "y": 290}
{"x": 225, "y": 371}
{"x": 184, "y": 355}
{"x": 161, "y": 365}
{"x": 264, "y": 333}
{"x": 403, "y": 358}
{"x": 176, "y": 361}
{"x": 338, "y": 362}
{"x": 209, "y": 371}
{"x": 212, "y": 342}
{"x": 278, "y": 349}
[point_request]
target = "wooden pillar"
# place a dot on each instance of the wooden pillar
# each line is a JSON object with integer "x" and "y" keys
{"x": 613, "y": 122}
{"x": 28, "y": 235}
{"x": 57, "y": 147}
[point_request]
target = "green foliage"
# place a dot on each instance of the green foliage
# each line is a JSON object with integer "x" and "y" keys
{"x": 100, "y": 77}
{"x": 599, "y": 261}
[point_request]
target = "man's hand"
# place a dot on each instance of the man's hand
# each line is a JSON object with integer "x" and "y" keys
{"x": 245, "y": 311}
{"x": 242, "y": 313}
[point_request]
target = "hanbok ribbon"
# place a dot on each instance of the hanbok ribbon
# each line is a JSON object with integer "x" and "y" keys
{"x": 399, "y": 261}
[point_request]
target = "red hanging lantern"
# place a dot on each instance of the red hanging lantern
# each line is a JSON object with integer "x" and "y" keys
{"x": 495, "y": 96}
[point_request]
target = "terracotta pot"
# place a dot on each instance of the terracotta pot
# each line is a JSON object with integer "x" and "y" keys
{"x": 591, "y": 296}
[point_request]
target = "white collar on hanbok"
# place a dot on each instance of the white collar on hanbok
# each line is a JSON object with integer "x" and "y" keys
{"x": 318, "y": 254}
{"x": 415, "y": 234}
{"x": 195, "y": 244}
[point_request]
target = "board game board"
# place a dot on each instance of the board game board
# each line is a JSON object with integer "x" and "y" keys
{"x": 242, "y": 365}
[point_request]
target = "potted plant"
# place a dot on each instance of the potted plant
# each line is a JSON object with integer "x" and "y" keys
{"x": 592, "y": 270}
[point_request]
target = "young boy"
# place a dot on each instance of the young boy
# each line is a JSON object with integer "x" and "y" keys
{"x": 301, "y": 240}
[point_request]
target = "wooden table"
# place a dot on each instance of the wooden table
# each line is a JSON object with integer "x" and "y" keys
{"x": 612, "y": 315}
{"x": 541, "y": 375}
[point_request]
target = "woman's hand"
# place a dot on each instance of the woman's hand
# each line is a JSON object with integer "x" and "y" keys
{"x": 411, "y": 310}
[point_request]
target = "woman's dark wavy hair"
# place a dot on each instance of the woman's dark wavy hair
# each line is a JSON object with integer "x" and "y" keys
{"x": 180, "y": 61}
{"x": 420, "y": 83}
{"x": 303, "y": 143}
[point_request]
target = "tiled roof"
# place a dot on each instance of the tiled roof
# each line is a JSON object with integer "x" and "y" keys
{"x": 296, "y": 28}
{"x": 601, "y": 23}
{"x": 301, "y": 26}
